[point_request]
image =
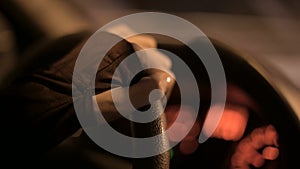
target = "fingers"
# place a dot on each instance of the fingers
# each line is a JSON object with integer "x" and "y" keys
{"x": 139, "y": 92}
{"x": 264, "y": 136}
{"x": 158, "y": 79}
{"x": 245, "y": 155}
{"x": 161, "y": 80}
{"x": 247, "y": 151}
{"x": 270, "y": 153}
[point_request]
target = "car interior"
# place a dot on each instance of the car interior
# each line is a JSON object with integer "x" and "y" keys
{"x": 257, "y": 42}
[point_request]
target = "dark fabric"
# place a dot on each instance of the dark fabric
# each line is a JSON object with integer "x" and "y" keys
{"x": 37, "y": 109}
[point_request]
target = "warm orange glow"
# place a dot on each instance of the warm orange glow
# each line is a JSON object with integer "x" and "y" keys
{"x": 189, "y": 143}
{"x": 247, "y": 152}
{"x": 270, "y": 153}
{"x": 231, "y": 125}
{"x": 178, "y": 133}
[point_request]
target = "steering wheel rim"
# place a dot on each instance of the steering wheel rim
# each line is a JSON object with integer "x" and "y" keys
{"x": 274, "y": 93}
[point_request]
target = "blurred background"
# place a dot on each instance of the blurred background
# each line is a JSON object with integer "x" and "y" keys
{"x": 268, "y": 29}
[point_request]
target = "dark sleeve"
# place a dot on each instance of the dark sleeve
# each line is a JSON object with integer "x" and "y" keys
{"x": 38, "y": 111}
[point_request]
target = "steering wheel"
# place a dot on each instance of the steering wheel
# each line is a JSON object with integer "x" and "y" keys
{"x": 277, "y": 99}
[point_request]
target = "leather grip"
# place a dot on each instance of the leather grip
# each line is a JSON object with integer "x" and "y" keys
{"x": 156, "y": 127}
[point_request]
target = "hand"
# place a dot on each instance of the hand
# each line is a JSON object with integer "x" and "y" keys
{"x": 230, "y": 127}
{"x": 155, "y": 79}
{"x": 247, "y": 152}
{"x": 138, "y": 94}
